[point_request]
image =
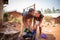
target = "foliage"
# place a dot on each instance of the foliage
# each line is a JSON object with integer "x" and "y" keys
{"x": 47, "y": 18}
{"x": 5, "y": 17}
{"x": 48, "y": 10}
{"x": 52, "y": 11}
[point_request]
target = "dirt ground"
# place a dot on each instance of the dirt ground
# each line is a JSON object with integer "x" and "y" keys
{"x": 52, "y": 30}
{"x": 55, "y": 31}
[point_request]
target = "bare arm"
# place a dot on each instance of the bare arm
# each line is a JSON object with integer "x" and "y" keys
{"x": 41, "y": 21}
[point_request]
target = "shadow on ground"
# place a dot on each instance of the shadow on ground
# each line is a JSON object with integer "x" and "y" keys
{"x": 49, "y": 37}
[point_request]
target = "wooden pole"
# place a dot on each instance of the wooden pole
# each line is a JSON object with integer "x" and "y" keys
{"x": 30, "y": 6}
{"x": 34, "y": 6}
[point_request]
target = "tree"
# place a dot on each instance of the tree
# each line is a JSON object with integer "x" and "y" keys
{"x": 45, "y": 11}
{"x": 53, "y": 10}
{"x": 58, "y": 10}
{"x": 48, "y": 11}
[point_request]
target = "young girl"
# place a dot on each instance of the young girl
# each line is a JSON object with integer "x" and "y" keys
{"x": 38, "y": 20}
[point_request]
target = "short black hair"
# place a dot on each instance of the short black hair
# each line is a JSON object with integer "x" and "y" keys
{"x": 31, "y": 9}
{"x": 39, "y": 12}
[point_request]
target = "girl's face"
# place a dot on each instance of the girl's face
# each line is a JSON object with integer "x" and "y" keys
{"x": 37, "y": 14}
{"x": 32, "y": 13}
{"x": 28, "y": 21}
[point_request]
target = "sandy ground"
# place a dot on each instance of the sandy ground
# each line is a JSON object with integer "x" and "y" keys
{"x": 52, "y": 30}
{"x": 55, "y": 31}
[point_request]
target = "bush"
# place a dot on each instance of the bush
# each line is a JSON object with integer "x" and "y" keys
{"x": 47, "y": 18}
{"x": 5, "y": 17}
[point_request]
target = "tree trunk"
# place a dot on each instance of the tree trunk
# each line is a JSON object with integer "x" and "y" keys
{"x": 1, "y": 12}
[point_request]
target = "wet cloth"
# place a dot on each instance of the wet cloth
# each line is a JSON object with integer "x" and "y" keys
{"x": 28, "y": 33}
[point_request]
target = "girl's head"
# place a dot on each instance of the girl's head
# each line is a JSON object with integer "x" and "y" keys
{"x": 37, "y": 13}
{"x": 31, "y": 11}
